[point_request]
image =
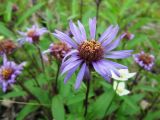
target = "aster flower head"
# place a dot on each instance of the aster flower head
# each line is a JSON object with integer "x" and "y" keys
{"x": 128, "y": 36}
{"x": 144, "y": 60}
{"x": 58, "y": 50}
{"x": 32, "y": 35}
{"x": 9, "y": 72}
{"x": 91, "y": 53}
{"x": 7, "y": 47}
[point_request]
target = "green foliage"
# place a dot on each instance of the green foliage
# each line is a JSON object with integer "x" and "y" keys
{"x": 58, "y": 108}
{"x": 141, "y": 18}
{"x": 27, "y": 109}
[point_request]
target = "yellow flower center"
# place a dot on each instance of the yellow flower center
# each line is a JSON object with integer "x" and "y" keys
{"x": 145, "y": 58}
{"x": 32, "y": 34}
{"x": 6, "y": 73}
{"x": 91, "y": 51}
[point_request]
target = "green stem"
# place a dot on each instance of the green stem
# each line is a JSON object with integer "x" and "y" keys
{"x": 81, "y": 9}
{"x": 136, "y": 77}
{"x": 98, "y": 2}
{"x": 57, "y": 75}
{"x": 87, "y": 95}
{"x": 34, "y": 77}
{"x": 29, "y": 56}
{"x": 111, "y": 101}
{"x": 40, "y": 54}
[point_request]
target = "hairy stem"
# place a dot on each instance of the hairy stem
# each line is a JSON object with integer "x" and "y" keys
{"x": 111, "y": 101}
{"x": 87, "y": 95}
{"x": 98, "y": 2}
{"x": 34, "y": 77}
{"x": 81, "y": 9}
{"x": 136, "y": 77}
{"x": 29, "y": 56}
{"x": 41, "y": 57}
{"x": 57, "y": 75}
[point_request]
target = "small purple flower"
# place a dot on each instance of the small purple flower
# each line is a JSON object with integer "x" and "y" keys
{"x": 129, "y": 36}
{"x": 58, "y": 50}
{"x": 32, "y": 34}
{"x": 144, "y": 60}
{"x": 90, "y": 53}
{"x": 7, "y": 47}
{"x": 9, "y": 72}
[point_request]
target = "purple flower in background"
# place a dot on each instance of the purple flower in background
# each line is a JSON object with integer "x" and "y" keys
{"x": 32, "y": 34}
{"x": 128, "y": 36}
{"x": 91, "y": 53}
{"x": 8, "y": 72}
{"x": 58, "y": 50}
{"x": 7, "y": 47}
{"x": 144, "y": 60}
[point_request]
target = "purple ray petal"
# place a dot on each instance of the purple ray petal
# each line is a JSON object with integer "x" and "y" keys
{"x": 106, "y": 33}
{"x": 92, "y": 28}
{"x": 71, "y": 65}
{"x": 83, "y": 32}
{"x": 101, "y": 72}
{"x": 80, "y": 76}
{"x": 87, "y": 74}
{"x": 75, "y": 32}
{"x": 72, "y": 52}
{"x": 115, "y": 43}
{"x": 69, "y": 74}
{"x": 71, "y": 59}
{"x": 4, "y": 59}
{"x": 65, "y": 38}
{"x": 105, "y": 69}
{"x": 4, "y": 86}
{"x": 117, "y": 65}
{"x": 110, "y": 66}
{"x": 22, "y": 33}
{"x": 119, "y": 54}
{"x": 111, "y": 36}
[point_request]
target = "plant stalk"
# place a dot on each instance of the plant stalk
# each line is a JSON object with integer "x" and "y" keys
{"x": 87, "y": 95}
{"x": 41, "y": 57}
{"x": 111, "y": 101}
{"x": 57, "y": 75}
{"x": 81, "y": 9}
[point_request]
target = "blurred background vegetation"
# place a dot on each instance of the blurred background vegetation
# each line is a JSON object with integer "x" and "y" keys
{"x": 139, "y": 17}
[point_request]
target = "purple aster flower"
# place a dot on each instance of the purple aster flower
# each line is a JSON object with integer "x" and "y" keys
{"x": 144, "y": 60}
{"x": 9, "y": 72}
{"x": 129, "y": 36}
{"x": 58, "y": 50}
{"x": 91, "y": 53}
{"x": 7, "y": 47}
{"x": 32, "y": 34}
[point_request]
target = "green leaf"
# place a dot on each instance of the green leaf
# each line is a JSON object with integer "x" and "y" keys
{"x": 14, "y": 94}
{"x": 5, "y": 31}
{"x": 146, "y": 88}
{"x": 137, "y": 41}
{"x": 57, "y": 108}
{"x": 74, "y": 8}
{"x": 41, "y": 94}
{"x": 28, "y": 13}
{"x": 130, "y": 102}
{"x": 153, "y": 115}
{"x": 8, "y": 12}
{"x": 127, "y": 4}
{"x": 25, "y": 111}
{"x": 97, "y": 110}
